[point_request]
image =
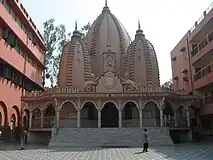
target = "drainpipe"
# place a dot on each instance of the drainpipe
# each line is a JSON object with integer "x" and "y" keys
{"x": 190, "y": 65}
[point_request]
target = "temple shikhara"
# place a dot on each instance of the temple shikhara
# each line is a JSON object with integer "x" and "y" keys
{"x": 108, "y": 91}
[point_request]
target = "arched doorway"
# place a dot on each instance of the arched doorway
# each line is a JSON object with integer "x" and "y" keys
{"x": 49, "y": 116}
{"x": 12, "y": 122}
{"x": 168, "y": 115}
{"x": 130, "y": 115}
{"x": 36, "y": 118}
{"x": 12, "y": 125}
{"x": 151, "y": 115}
{"x": 15, "y": 111}
{"x": 26, "y": 119}
{"x": 181, "y": 117}
{"x": 3, "y": 110}
{"x": 109, "y": 115}
{"x": 68, "y": 115}
{"x": 89, "y": 116}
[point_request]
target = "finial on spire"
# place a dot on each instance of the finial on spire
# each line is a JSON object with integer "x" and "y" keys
{"x": 105, "y": 3}
{"x": 76, "y": 25}
{"x": 139, "y": 25}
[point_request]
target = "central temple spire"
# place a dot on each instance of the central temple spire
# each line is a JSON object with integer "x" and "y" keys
{"x": 105, "y": 3}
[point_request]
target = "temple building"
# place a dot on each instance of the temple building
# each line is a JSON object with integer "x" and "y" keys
{"x": 108, "y": 88}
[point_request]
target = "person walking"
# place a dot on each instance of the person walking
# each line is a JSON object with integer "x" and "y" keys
{"x": 22, "y": 137}
{"x": 145, "y": 141}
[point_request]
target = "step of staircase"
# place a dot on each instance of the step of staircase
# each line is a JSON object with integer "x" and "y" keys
{"x": 109, "y": 137}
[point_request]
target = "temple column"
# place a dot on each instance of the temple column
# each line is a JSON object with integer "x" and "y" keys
{"x": 57, "y": 119}
{"x": 99, "y": 118}
{"x": 188, "y": 118}
{"x": 78, "y": 118}
{"x": 120, "y": 118}
{"x": 42, "y": 118}
{"x": 161, "y": 117}
{"x": 141, "y": 117}
{"x": 30, "y": 119}
{"x": 175, "y": 118}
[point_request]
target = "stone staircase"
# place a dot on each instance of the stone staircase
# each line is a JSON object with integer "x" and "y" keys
{"x": 108, "y": 137}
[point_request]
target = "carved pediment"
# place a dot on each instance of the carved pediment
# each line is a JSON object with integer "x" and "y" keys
{"x": 109, "y": 83}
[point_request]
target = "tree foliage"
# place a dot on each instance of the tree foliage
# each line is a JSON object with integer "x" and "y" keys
{"x": 168, "y": 84}
{"x": 55, "y": 38}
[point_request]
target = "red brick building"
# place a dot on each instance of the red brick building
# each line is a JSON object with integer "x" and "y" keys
{"x": 21, "y": 60}
{"x": 192, "y": 64}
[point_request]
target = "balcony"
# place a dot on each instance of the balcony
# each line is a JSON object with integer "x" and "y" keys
{"x": 204, "y": 76}
{"x": 196, "y": 51}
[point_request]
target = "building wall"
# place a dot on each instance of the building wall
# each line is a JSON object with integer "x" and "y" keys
{"x": 181, "y": 66}
{"x": 21, "y": 57}
{"x": 198, "y": 43}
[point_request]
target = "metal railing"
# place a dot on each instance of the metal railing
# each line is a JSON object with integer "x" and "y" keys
{"x": 202, "y": 44}
{"x": 202, "y": 17}
{"x": 203, "y": 72}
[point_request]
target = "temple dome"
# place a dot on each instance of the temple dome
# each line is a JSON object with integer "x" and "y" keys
{"x": 74, "y": 67}
{"x": 107, "y": 31}
{"x": 142, "y": 63}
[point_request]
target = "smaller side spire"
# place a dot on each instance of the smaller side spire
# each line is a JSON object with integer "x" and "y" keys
{"x": 139, "y": 24}
{"x": 76, "y": 24}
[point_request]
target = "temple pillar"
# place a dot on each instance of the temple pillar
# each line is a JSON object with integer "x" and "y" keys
{"x": 141, "y": 117}
{"x": 188, "y": 118}
{"x": 99, "y": 118}
{"x": 161, "y": 117}
{"x": 57, "y": 119}
{"x": 30, "y": 119}
{"x": 175, "y": 118}
{"x": 78, "y": 119}
{"x": 120, "y": 118}
{"x": 42, "y": 118}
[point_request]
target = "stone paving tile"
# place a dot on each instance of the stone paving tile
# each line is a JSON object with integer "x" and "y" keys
{"x": 198, "y": 151}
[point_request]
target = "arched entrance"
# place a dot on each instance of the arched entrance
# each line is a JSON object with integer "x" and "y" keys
{"x": 181, "y": 117}
{"x": 168, "y": 115}
{"x": 130, "y": 115}
{"x": 151, "y": 115}
{"x": 49, "y": 116}
{"x": 68, "y": 115}
{"x": 13, "y": 122}
{"x": 89, "y": 116}
{"x": 3, "y": 110}
{"x": 36, "y": 118}
{"x": 26, "y": 119}
{"x": 109, "y": 115}
{"x": 15, "y": 111}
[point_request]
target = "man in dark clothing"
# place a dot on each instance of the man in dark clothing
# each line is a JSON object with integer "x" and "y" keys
{"x": 22, "y": 137}
{"x": 145, "y": 141}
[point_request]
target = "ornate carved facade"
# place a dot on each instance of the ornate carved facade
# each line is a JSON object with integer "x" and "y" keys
{"x": 109, "y": 82}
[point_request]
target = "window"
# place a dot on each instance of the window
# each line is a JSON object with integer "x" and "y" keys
{"x": 17, "y": 47}
{"x": 13, "y": 14}
{"x": 7, "y": 6}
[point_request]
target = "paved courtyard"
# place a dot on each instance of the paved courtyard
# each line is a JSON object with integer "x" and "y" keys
{"x": 196, "y": 151}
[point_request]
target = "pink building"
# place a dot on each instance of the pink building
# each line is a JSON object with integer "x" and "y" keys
{"x": 192, "y": 64}
{"x": 21, "y": 61}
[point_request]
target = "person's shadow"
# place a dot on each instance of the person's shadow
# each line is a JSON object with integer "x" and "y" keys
{"x": 139, "y": 152}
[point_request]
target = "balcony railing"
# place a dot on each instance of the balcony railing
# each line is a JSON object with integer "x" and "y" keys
{"x": 203, "y": 72}
{"x": 208, "y": 99}
{"x": 202, "y": 17}
{"x": 202, "y": 44}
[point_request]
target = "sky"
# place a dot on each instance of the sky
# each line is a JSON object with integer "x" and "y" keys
{"x": 164, "y": 22}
